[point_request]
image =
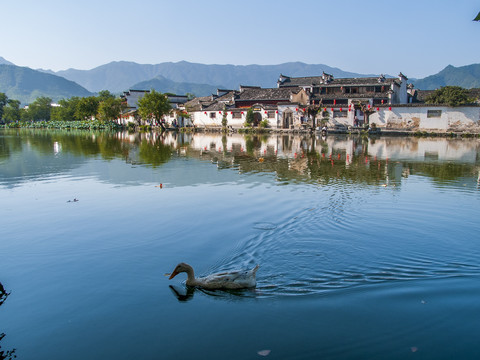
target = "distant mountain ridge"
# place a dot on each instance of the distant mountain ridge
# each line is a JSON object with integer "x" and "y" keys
{"x": 25, "y": 85}
{"x": 467, "y": 77}
{"x": 120, "y": 76}
{"x": 165, "y": 85}
{"x": 5, "y": 62}
{"x": 182, "y": 77}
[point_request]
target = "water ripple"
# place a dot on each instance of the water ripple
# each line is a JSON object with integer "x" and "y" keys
{"x": 320, "y": 249}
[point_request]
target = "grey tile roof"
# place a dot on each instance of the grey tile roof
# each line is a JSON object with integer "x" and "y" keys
{"x": 332, "y": 82}
{"x": 277, "y": 94}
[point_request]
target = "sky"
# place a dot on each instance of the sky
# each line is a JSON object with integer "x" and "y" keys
{"x": 415, "y": 37}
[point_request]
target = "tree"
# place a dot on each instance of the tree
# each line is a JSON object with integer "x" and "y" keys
{"x": 367, "y": 111}
{"x": 11, "y": 112}
{"x": 153, "y": 106}
{"x": 449, "y": 95}
{"x": 110, "y": 109}
{"x": 67, "y": 110}
{"x": 250, "y": 118}
{"x": 40, "y": 109}
{"x": 224, "y": 118}
{"x": 311, "y": 111}
{"x": 105, "y": 95}
{"x": 3, "y": 102}
{"x": 87, "y": 108}
{"x": 477, "y": 18}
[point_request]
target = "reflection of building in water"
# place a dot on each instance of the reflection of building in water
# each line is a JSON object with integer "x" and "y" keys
{"x": 338, "y": 147}
{"x": 440, "y": 149}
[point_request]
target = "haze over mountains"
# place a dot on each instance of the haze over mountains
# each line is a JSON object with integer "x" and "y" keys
{"x": 25, "y": 84}
{"x": 183, "y": 77}
{"x": 122, "y": 75}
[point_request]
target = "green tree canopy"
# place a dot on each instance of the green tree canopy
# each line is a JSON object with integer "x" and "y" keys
{"x": 67, "y": 110}
{"x": 105, "y": 95}
{"x": 87, "y": 108}
{"x": 477, "y": 18}
{"x": 110, "y": 109}
{"x": 11, "y": 112}
{"x": 153, "y": 106}
{"x": 39, "y": 109}
{"x": 3, "y": 102}
{"x": 449, "y": 95}
{"x": 250, "y": 118}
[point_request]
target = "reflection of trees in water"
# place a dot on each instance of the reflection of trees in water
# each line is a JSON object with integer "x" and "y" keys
{"x": 109, "y": 145}
{"x": 155, "y": 153}
{"x": 9, "y": 145}
{"x": 252, "y": 143}
{"x": 5, "y": 354}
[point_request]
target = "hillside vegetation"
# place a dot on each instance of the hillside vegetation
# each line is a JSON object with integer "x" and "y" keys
{"x": 26, "y": 85}
{"x": 467, "y": 77}
{"x": 120, "y": 76}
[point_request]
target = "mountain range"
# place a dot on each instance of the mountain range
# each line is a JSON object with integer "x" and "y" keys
{"x": 467, "y": 77}
{"x": 184, "y": 77}
{"x": 25, "y": 85}
{"x": 121, "y": 75}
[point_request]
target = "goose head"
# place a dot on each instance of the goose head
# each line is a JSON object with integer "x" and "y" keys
{"x": 182, "y": 267}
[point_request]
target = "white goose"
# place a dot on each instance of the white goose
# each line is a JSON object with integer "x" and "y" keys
{"x": 242, "y": 279}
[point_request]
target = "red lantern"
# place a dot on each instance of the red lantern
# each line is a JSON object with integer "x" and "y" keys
{"x": 276, "y": 112}
{"x": 349, "y": 109}
{"x": 382, "y": 101}
{"x": 341, "y": 109}
{"x": 378, "y": 109}
{"x": 242, "y": 112}
{"x": 205, "y": 113}
{"x": 334, "y": 102}
{"x": 369, "y": 106}
{"x": 390, "y": 108}
{"x": 296, "y": 109}
{"x": 231, "y": 112}
{"x": 332, "y": 109}
{"x": 324, "y": 109}
{"x": 220, "y": 112}
{"x": 265, "y": 111}
{"x": 303, "y": 109}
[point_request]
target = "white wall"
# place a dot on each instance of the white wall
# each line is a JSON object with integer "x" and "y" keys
{"x": 204, "y": 119}
{"x": 417, "y": 116}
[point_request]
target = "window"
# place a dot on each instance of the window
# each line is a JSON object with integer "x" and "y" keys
{"x": 213, "y": 115}
{"x": 338, "y": 113}
{"x": 434, "y": 113}
{"x": 271, "y": 114}
{"x": 237, "y": 115}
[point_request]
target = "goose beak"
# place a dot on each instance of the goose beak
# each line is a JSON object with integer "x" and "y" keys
{"x": 172, "y": 275}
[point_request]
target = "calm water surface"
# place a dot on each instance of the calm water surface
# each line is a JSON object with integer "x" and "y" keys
{"x": 368, "y": 248}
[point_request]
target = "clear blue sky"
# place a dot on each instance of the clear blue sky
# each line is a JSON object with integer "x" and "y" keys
{"x": 417, "y": 37}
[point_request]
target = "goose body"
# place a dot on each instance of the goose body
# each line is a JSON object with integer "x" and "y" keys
{"x": 241, "y": 279}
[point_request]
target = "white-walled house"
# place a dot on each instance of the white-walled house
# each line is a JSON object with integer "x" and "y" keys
{"x": 266, "y": 104}
{"x": 427, "y": 117}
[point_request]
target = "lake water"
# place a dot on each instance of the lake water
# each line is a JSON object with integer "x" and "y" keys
{"x": 368, "y": 248}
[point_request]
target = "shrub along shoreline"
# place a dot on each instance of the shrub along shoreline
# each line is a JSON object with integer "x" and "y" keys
{"x": 83, "y": 125}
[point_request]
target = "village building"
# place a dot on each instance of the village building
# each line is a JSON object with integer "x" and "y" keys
{"x": 175, "y": 118}
{"x": 266, "y": 103}
{"x": 312, "y": 102}
{"x": 345, "y": 100}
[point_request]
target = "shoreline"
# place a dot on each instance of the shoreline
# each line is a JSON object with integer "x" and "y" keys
{"x": 463, "y": 133}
